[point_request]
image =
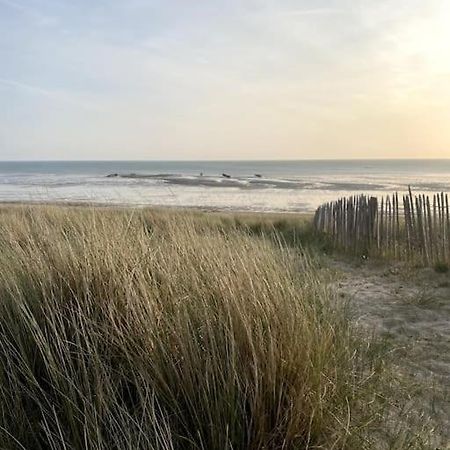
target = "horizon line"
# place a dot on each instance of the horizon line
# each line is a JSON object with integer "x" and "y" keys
{"x": 224, "y": 160}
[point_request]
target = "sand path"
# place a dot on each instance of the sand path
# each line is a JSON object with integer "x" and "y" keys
{"x": 410, "y": 308}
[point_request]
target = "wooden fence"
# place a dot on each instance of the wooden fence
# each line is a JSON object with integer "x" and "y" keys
{"x": 417, "y": 227}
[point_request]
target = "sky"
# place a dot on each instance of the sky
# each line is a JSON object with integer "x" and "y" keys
{"x": 224, "y": 79}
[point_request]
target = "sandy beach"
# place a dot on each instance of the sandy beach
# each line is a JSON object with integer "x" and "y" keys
{"x": 224, "y": 225}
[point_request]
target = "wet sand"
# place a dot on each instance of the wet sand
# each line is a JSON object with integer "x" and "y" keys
{"x": 247, "y": 182}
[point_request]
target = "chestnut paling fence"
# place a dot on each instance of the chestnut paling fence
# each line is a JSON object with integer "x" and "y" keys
{"x": 413, "y": 226}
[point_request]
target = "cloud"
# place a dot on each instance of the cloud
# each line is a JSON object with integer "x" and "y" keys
{"x": 39, "y": 18}
{"x": 311, "y": 12}
{"x": 58, "y": 95}
{"x": 267, "y": 73}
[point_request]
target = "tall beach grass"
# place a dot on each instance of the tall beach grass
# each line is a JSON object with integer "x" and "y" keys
{"x": 153, "y": 330}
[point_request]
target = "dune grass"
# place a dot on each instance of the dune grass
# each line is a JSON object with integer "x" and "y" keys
{"x": 153, "y": 330}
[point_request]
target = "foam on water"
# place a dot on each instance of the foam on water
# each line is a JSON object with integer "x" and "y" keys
{"x": 292, "y": 186}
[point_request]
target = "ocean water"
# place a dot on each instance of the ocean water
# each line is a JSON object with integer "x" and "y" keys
{"x": 292, "y": 186}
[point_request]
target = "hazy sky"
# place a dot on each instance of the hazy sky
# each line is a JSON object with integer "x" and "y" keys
{"x": 224, "y": 79}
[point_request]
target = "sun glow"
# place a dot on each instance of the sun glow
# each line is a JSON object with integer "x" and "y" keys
{"x": 427, "y": 40}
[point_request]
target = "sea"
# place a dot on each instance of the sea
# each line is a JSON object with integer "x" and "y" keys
{"x": 262, "y": 186}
